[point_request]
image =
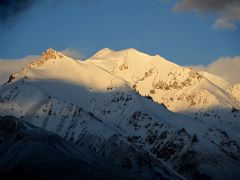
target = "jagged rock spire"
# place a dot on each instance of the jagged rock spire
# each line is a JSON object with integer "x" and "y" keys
{"x": 51, "y": 54}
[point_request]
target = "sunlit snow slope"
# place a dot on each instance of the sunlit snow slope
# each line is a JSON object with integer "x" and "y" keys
{"x": 195, "y": 93}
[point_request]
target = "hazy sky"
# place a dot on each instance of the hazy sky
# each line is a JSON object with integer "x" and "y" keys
{"x": 184, "y": 31}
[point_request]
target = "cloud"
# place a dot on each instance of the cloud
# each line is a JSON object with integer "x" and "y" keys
{"x": 227, "y": 11}
{"x": 224, "y": 24}
{"x": 73, "y": 53}
{"x": 226, "y": 67}
{"x": 10, "y": 9}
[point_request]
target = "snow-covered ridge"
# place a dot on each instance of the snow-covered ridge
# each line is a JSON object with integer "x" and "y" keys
{"x": 181, "y": 89}
{"x": 12, "y": 66}
{"x": 46, "y": 55}
{"x": 53, "y": 65}
{"x": 196, "y": 93}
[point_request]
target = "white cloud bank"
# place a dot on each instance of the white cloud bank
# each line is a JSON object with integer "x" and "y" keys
{"x": 226, "y": 67}
{"x": 224, "y": 24}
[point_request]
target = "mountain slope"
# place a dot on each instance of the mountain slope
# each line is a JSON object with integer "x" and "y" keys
{"x": 235, "y": 90}
{"x": 93, "y": 108}
{"x": 30, "y": 152}
{"x": 184, "y": 90}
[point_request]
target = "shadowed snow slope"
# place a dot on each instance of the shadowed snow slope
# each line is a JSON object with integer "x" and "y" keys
{"x": 31, "y": 153}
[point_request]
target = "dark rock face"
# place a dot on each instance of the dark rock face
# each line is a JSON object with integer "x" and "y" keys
{"x": 27, "y": 152}
{"x": 11, "y": 78}
{"x": 8, "y": 124}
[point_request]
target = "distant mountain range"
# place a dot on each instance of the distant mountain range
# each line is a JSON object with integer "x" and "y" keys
{"x": 138, "y": 116}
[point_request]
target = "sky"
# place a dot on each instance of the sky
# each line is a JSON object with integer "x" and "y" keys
{"x": 187, "y": 32}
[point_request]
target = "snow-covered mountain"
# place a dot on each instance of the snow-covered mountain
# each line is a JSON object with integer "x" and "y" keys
{"x": 29, "y": 152}
{"x": 96, "y": 105}
{"x": 197, "y": 94}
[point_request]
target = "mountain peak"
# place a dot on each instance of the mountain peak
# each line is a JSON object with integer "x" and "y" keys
{"x": 103, "y": 52}
{"x": 131, "y": 50}
{"x": 129, "y": 56}
{"x": 108, "y": 53}
{"x": 51, "y": 53}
